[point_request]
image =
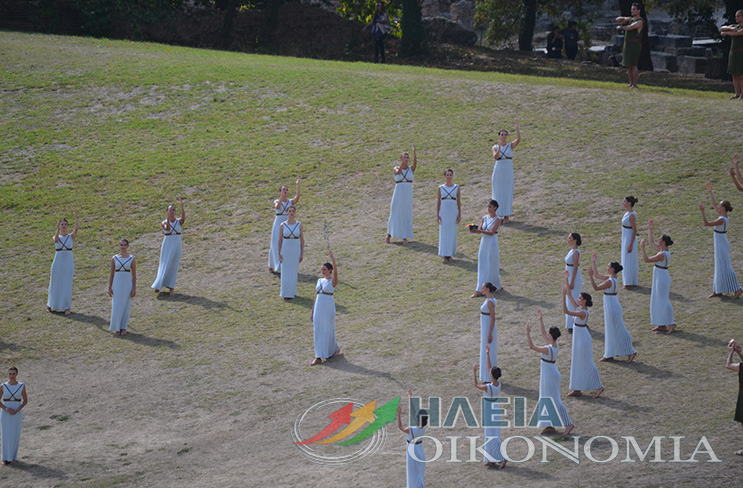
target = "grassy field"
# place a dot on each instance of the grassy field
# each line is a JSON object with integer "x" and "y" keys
{"x": 208, "y": 384}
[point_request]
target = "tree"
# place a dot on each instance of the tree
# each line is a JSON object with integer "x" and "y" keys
{"x": 412, "y": 28}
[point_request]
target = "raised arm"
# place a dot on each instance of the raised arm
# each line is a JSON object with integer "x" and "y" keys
{"x": 707, "y": 223}
{"x": 335, "y": 270}
{"x": 542, "y": 330}
{"x": 399, "y": 413}
{"x": 566, "y": 295}
{"x": 479, "y": 386}
{"x": 708, "y": 186}
{"x": 651, "y": 225}
{"x": 415, "y": 160}
{"x": 56, "y": 234}
{"x": 516, "y": 141}
{"x": 74, "y": 233}
{"x": 656, "y": 258}
{"x": 296, "y": 197}
{"x": 730, "y": 364}
{"x": 623, "y": 20}
{"x": 596, "y": 273}
{"x": 542, "y": 350}
{"x": 183, "y": 211}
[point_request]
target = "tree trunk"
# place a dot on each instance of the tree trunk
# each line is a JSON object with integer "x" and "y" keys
{"x": 411, "y": 43}
{"x": 225, "y": 38}
{"x": 526, "y": 34}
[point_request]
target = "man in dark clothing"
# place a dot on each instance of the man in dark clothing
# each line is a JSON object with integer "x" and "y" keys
{"x": 570, "y": 36}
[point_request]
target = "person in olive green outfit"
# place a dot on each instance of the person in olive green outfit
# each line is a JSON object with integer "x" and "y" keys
{"x": 734, "y": 347}
{"x": 735, "y": 58}
{"x": 632, "y": 27}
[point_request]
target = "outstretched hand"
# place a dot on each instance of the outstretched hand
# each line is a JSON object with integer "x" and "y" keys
{"x": 651, "y": 224}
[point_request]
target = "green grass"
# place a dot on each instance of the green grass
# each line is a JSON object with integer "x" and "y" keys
{"x": 118, "y": 130}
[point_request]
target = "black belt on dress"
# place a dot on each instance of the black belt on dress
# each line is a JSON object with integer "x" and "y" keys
{"x": 569, "y": 265}
{"x": 323, "y": 293}
{"x": 10, "y": 400}
{"x": 124, "y": 270}
{"x": 71, "y": 249}
{"x": 577, "y": 325}
{"x": 173, "y": 234}
{"x": 411, "y": 442}
{"x": 718, "y": 231}
{"x": 402, "y": 182}
{"x": 483, "y": 313}
{"x": 548, "y": 361}
{"x": 611, "y": 294}
{"x": 661, "y": 267}
{"x": 627, "y": 227}
{"x": 291, "y": 237}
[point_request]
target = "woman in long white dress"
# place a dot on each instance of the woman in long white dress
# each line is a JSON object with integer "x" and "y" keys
{"x": 584, "y": 375}
{"x": 488, "y": 332}
{"x": 14, "y": 398}
{"x": 122, "y": 287}
{"x": 725, "y": 280}
{"x": 448, "y": 214}
{"x": 323, "y": 313}
{"x": 415, "y": 462}
{"x": 502, "y": 179}
{"x": 630, "y": 261}
{"x": 617, "y": 339}
{"x": 291, "y": 253}
{"x": 280, "y": 205}
{"x": 488, "y": 257}
{"x": 171, "y": 250}
{"x": 400, "y": 223}
{"x": 63, "y": 268}
{"x": 549, "y": 377}
{"x": 575, "y": 280}
{"x": 490, "y": 390}
{"x": 661, "y": 310}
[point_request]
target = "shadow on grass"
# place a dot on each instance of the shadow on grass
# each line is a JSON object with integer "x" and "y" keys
{"x": 341, "y": 363}
{"x": 39, "y": 471}
{"x": 703, "y": 341}
{"x": 419, "y": 247}
{"x": 523, "y": 303}
{"x": 9, "y": 347}
{"x": 596, "y": 334}
{"x": 149, "y": 341}
{"x": 604, "y": 400}
{"x": 643, "y": 368}
{"x": 642, "y": 290}
{"x": 528, "y": 473}
{"x": 464, "y": 262}
{"x": 95, "y": 320}
{"x": 194, "y": 300}
{"x": 535, "y": 229}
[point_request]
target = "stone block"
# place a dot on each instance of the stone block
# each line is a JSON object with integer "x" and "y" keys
{"x": 691, "y": 64}
{"x": 463, "y": 13}
{"x": 664, "y": 61}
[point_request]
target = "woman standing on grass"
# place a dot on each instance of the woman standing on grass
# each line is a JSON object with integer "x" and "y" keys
{"x": 171, "y": 250}
{"x": 414, "y": 466}
{"x": 63, "y": 268}
{"x": 632, "y": 27}
{"x": 617, "y": 341}
{"x": 725, "y": 280}
{"x": 280, "y": 205}
{"x": 448, "y": 214}
{"x": 549, "y": 378}
{"x": 291, "y": 253}
{"x": 630, "y": 262}
{"x": 734, "y": 347}
{"x": 122, "y": 287}
{"x": 502, "y": 179}
{"x": 575, "y": 280}
{"x": 400, "y": 223}
{"x": 661, "y": 311}
{"x": 488, "y": 333}
{"x": 323, "y": 313}
{"x": 14, "y": 398}
{"x": 490, "y": 391}
{"x": 584, "y": 375}
{"x": 735, "y": 57}
{"x": 488, "y": 257}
